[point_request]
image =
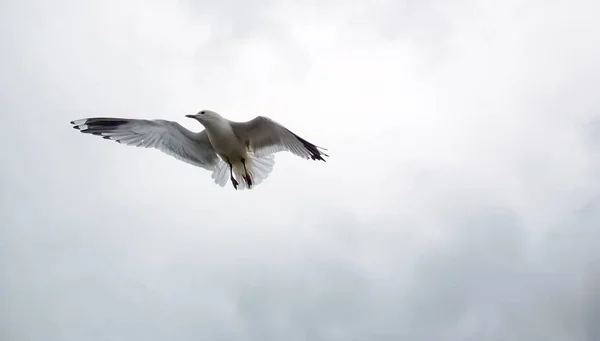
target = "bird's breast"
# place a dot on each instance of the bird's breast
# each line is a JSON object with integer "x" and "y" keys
{"x": 225, "y": 142}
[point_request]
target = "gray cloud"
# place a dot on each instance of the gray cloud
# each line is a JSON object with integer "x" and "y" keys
{"x": 460, "y": 203}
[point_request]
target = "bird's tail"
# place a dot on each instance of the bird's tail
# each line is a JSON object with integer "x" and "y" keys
{"x": 258, "y": 169}
{"x": 221, "y": 173}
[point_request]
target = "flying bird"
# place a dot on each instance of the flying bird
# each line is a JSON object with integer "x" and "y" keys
{"x": 227, "y": 148}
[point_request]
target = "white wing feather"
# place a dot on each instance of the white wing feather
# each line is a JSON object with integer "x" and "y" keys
{"x": 166, "y": 136}
{"x": 265, "y": 136}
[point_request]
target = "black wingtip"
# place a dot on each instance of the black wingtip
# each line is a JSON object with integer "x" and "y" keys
{"x": 99, "y": 126}
{"x": 315, "y": 153}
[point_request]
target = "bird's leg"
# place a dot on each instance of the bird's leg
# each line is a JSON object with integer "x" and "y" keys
{"x": 247, "y": 176}
{"x": 233, "y": 180}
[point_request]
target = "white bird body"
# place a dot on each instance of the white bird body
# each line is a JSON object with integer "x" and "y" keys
{"x": 227, "y": 145}
{"x": 223, "y": 139}
{"x": 242, "y": 148}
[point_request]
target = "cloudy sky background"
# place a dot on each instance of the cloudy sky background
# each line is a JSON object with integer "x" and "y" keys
{"x": 460, "y": 202}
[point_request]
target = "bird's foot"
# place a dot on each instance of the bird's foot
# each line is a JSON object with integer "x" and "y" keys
{"x": 248, "y": 179}
{"x": 246, "y": 176}
{"x": 234, "y": 182}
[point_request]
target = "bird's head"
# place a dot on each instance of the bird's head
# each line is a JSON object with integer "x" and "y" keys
{"x": 205, "y": 116}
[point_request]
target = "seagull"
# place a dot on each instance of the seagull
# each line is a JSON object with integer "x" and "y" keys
{"x": 224, "y": 147}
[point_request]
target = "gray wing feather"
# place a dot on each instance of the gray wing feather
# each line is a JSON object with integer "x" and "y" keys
{"x": 265, "y": 136}
{"x": 166, "y": 136}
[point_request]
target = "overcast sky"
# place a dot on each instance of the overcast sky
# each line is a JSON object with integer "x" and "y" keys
{"x": 461, "y": 200}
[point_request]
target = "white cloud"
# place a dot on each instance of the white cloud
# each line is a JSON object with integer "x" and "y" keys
{"x": 458, "y": 201}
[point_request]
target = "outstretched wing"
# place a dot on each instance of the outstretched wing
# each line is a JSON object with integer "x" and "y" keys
{"x": 166, "y": 136}
{"x": 265, "y": 136}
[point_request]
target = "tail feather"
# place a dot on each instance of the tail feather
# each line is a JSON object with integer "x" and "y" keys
{"x": 221, "y": 173}
{"x": 259, "y": 168}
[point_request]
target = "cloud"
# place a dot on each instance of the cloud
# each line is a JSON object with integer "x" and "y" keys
{"x": 460, "y": 201}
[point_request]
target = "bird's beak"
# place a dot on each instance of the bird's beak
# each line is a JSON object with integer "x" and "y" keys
{"x": 190, "y": 116}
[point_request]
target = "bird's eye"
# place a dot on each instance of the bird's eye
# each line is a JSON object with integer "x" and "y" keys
{"x": 202, "y": 112}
